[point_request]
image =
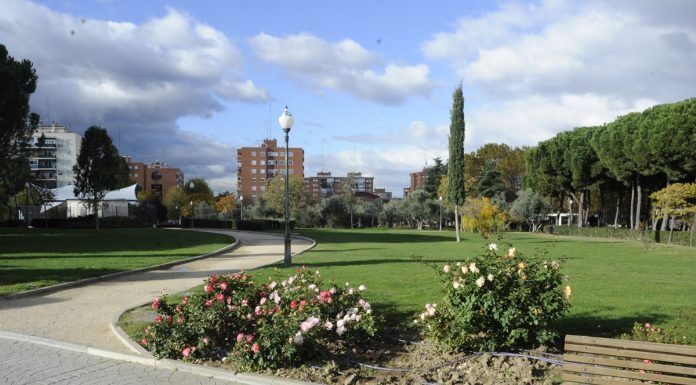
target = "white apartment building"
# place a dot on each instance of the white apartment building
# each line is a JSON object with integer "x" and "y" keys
{"x": 52, "y": 161}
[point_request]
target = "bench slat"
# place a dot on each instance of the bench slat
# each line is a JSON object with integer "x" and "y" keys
{"x": 604, "y": 371}
{"x": 571, "y": 379}
{"x": 598, "y": 360}
{"x": 689, "y": 351}
{"x": 569, "y": 347}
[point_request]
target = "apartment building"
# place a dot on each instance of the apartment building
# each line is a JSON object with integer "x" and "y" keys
{"x": 324, "y": 185}
{"x": 53, "y": 152}
{"x": 417, "y": 179}
{"x": 257, "y": 166}
{"x": 156, "y": 176}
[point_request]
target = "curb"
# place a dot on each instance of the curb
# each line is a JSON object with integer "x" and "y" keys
{"x": 220, "y": 374}
{"x": 81, "y": 282}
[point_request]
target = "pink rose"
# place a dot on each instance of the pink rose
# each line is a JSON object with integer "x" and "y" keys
{"x": 240, "y": 337}
{"x": 169, "y": 319}
{"x": 186, "y": 352}
{"x": 143, "y": 342}
{"x": 220, "y": 297}
{"x": 208, "y": 288}
{"x": 209, "y": 303}
{"x": 222, "y": 286}
{"x": 158, "y": 319}
{"x": 206, "y": 340}
{"x": 156, "y": 303}
{"x": 249, "y": 337}
{"x": 185, "y": 300}
{"x": 256, "y": 347}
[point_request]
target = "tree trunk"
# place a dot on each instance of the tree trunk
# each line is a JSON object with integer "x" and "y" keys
{"x": 456, "y": 222}
{"x": 633, "y": 200}
{"x": 616, "y": 215}
{"x": 96, "y": 216}
{"x": 639, "y": 193}
{"x": 351, "y": 219}
{"x": 691, "y": 236}
{"x": 601, "y": 220}
{"x": 581, "y": 208}
{"x": 671, "y": 229}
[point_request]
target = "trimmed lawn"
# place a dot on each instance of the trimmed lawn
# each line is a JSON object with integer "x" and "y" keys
{"x": 615, "y": 283}
{"x": 40, "y": 257}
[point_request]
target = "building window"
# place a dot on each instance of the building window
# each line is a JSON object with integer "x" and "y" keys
{"x": 292, "y": 171}
{"x": 263, "y": 171}
{"x": 253, "y": 153}
{"x": 290, "y": 162}
{"x": 263, "y": 188}
{"x": 263, "y": 179}
{"x": 253, "y": 171}
{"x": 282, "y": 163}
{"x": 263, "y": 162}
{"x": 253, "y": 179}
{"x": 253, "y": 163}
{"x": 253, "y": 188}
{"x": 271, "y": 162}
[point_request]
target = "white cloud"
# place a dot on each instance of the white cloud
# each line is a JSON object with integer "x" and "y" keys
{"x": 344, "y": 66}
{"x": 139, "y": 79}
{"x": 562, "y": 47}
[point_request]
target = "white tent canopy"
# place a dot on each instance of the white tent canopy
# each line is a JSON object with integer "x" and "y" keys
{"x": 115, "y": 203}
{"x": 125, "y": 194}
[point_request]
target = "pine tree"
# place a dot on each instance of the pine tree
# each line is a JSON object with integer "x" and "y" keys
{"x": 456, "y": 193}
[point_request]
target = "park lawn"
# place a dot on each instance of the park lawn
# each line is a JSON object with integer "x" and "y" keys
{"x": 41, "y": 257}
{"x": 615, "y": 283}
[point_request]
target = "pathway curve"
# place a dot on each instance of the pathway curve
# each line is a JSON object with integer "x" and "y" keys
{"x": 82, "y": 315}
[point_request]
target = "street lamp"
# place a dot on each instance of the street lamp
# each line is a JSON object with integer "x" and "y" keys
{"x": 440, "y": 200}
{"x": 191, "y": 204}
{"x": 286, "y": 120}
{"x": 241, "y": 207}
{"x": 178, "y": 213}
{"x": 570, "y": 211}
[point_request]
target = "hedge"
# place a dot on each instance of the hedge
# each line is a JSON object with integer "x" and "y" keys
{"x": 678, "y": 237}
{"x": 87, "y": 222}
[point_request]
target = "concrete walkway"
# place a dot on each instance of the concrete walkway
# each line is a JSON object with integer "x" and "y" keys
{"x": 33, "y": 364}
{"x": 82, "y": 315}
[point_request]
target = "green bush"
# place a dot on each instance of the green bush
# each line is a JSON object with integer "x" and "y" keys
{"x": 653, "y": 333}
{"x": 678, "y": 237}
{"x": 494, "y": 301}
{"x": 87, "y": 222}
{"x": 260, "y": 326}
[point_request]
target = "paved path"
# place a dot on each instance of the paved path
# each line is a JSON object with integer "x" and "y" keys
{"x": 82, "y": 315}
{"x": 29, "y": 363}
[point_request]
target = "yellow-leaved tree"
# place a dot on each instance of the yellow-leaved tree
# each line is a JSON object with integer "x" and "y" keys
{"x": 677, "y": 201}
{"x": 483, "y": 216}
{"x": 299, "y": 197}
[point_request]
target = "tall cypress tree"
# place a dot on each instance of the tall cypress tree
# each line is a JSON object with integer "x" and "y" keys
{"x": 456, "y": 193}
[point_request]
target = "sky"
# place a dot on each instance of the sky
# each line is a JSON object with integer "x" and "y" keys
{"x": 370, "y": 83}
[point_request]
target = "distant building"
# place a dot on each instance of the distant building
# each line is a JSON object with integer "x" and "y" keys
{"x": 53, "y": 152}
{"x": 384, "y": 194}
{"x": 257, "y": 166}
{"x": 324, "y": 185}
{"x": 156, "y": 176}
{"x": 417, "y": 179}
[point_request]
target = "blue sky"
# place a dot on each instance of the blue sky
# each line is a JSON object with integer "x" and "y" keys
{"x": 369, "y": 83}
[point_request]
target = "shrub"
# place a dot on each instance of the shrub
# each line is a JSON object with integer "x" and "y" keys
{"x": 494, "y": 301}
{"x": 483, "y": 216}
{"x": 260, "y": 326}
{"x": 652, "y": 333}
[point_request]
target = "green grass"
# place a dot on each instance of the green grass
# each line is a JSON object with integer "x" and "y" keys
{"x": 615, "y": 282}
{"x": 41, "y": 257}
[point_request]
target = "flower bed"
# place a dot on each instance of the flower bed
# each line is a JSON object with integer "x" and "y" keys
{"x": 260, "y": 326}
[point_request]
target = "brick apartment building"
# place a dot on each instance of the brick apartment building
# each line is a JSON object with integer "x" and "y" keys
{"x": 156, "y": 176}
{"x": 324, "y": 185}
{"x": 257, "y": 166}
{"x": 417, "y": 179}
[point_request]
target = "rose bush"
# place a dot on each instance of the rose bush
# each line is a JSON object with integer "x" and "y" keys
{"x": 260, "y": 325}
{"x": 497, "y": 301}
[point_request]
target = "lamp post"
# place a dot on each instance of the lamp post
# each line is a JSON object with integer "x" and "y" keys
{"x": 570, "y": 211}
{"x": 191, "y": 187}
{"x": 286, "y": 120}
{"x": 178, "y": 213}
{"x": 241, "y": 207}
{"x": 440, "y": 200}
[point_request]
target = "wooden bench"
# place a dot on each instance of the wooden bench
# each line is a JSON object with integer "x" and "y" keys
{"x": 605, "y": 361}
